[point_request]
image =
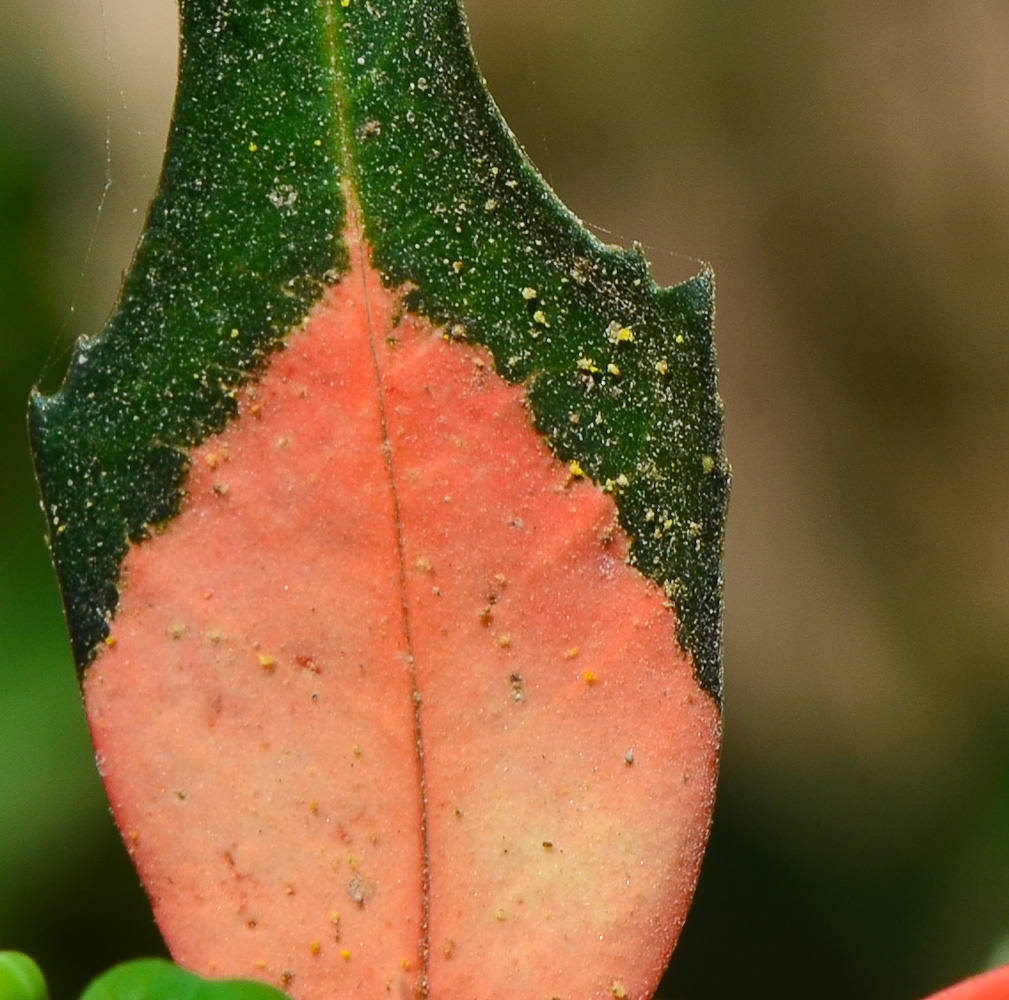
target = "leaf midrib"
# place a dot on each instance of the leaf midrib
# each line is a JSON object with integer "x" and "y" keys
{"x": 356, "y": 246}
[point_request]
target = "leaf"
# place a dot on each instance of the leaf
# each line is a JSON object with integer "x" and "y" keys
{"x": 992, "y": 985}
{"x": 21, "y": 978}
{"x": 388, "y": 516}
{"x": 156, "y": 979}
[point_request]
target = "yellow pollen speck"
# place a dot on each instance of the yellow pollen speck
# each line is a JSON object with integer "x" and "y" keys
{"x": 504, "y": 640}
{"x": 267, "y": 662}
{"x": 344, "y": 954}
{"x": 253, "y": 147}
{"x": 318, "y": 142}
{"x": 356, "y": 750}
{"x": 500, "y": 916}
{"x": 315, "y": 948}
{"x": 212, "y": 460}
{"x": 612, "y": 369}
{"x": 662, "y": 367}
{"x": 576, "y": 470}
{"x": 110, "y": 641}
{"x": 260, "y": 964}
{"x": 622, "y": 480}
{"x": 571, "y": 653}
{"x": 590, "y": 677}
{"x": 405, "y": 963}
{"x": 529, "y": 294}
{"x": 625, "y": 335}
{"x": 679, "y": 338}
{"x": 314, "y": 807}
{"x": 708, "y": 463}
{"x": 619, "y": 991}
{"x": 344, "y": 3}
{"x": 458, "y": 266}
{"x": 540, "y": 317}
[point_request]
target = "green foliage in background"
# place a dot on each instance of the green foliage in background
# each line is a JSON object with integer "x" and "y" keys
{"x": 156, "y": 979}
{"x": 144, "y": 979}
{"x": 21, "y": 978}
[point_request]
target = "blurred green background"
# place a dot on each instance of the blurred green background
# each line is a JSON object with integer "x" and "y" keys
{"x": 845, "y": 167}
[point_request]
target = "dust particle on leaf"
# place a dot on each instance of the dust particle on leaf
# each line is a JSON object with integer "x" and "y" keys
{"x": 358, "y": 890}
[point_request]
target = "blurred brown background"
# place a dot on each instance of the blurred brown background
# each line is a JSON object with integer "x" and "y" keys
{"x": 844, "y": 165}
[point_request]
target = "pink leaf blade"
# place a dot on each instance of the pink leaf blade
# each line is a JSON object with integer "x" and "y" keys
{"x": 993, "y": 985}
{"x": 419, "y": 725}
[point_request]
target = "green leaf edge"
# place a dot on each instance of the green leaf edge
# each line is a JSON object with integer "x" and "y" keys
{"x": 280, "y": 103}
